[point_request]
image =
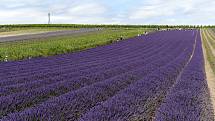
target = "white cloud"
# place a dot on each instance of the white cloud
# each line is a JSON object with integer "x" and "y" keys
{"x": 174, "y": 12}
{"x": 108, "y": 12}
{"x": 84, "y": 11}
{"x": 81, "y": 13}
{"x": 87, "y": 9}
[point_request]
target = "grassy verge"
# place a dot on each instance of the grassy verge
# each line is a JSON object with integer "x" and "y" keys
{"x": 209, "y": 54}
{"x": 64, "y": 44}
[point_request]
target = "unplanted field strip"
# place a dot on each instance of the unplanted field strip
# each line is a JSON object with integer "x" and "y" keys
{"x": 207, "y": 36}
{"x": 211, "y": 33}
{"x": 45, "y": 35}
{"x": 210, "y": 77}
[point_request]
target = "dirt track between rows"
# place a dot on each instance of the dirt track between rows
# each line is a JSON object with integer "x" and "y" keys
{"x": 46, "y": 35}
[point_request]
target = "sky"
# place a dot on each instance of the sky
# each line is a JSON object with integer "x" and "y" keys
{"x": 172, "y": 12}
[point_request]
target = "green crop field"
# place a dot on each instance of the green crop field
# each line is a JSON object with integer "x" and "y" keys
{"x": 63, "y": 44}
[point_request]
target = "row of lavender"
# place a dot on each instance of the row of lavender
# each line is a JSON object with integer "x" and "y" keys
{"x": 17, "y": 100}
{"x": 46, "y": 67}
{"x": 128, "y": 80}
{"x": 189, "y": 98}
{"x": 177, "y": 91}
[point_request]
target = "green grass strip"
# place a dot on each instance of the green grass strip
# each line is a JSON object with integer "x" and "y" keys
{"x": 64, "y": 44}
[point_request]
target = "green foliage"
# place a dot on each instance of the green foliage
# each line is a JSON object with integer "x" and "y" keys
{"x": 62, "y": 44}
{"x": 97, "y": 26}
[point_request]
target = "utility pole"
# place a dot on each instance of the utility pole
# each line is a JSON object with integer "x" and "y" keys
{"x": 49, "y": 18}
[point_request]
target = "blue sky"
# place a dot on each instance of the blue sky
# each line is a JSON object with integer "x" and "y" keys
{"x": 108, "y": 11}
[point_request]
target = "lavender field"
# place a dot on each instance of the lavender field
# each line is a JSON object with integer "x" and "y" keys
{"x": 153, "y": 77}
